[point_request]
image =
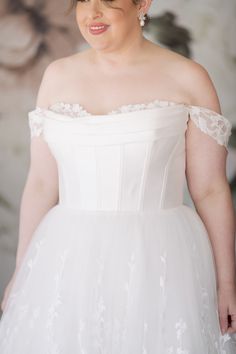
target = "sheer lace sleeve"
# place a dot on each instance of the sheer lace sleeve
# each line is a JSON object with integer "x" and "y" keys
{"x": 36, "y": 122}
{"x": 211, "y": 123}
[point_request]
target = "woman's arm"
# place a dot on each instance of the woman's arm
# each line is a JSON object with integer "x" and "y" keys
{"x": 210, "y": 192}
{"x": 41, "y": 189}
{"x": 40, "y": 193}
{"x": 217, "y": 212}
{"x": 207, "y": 181}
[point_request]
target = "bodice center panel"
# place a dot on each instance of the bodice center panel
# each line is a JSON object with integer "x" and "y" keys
{"x": 131, "y": 159}
{"x": 134, "y": 161}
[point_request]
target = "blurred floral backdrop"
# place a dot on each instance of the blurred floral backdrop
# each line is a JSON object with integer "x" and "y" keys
{"x": 34, "y": 33}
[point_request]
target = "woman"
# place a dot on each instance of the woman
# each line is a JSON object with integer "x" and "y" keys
{"x": 109, "y": 259}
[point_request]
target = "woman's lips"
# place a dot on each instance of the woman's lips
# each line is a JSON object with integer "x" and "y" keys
{"x": 98, "y": 29}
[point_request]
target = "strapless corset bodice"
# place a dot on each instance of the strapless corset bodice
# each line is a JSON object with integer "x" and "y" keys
{"x": 129, "y": 161}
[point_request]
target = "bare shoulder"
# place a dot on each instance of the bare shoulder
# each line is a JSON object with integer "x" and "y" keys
{"x": 192, "y": 77}
{"x": 49, "y": 81}
{"x": 54, "y": 77}
{"x": 196, "y": 80}
{"x": 199, "y": 82}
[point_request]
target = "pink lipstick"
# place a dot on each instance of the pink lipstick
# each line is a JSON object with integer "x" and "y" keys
{"x": 98, "y": 28}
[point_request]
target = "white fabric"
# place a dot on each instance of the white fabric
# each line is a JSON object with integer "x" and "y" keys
{"x": 210, "y": 122}
{"x": 120, "y": 265}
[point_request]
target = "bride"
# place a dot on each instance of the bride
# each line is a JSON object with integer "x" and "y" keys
{"x": 120, "y": 73}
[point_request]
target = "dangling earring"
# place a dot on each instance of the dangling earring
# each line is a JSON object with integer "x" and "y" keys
{"x": 142, "y": 18}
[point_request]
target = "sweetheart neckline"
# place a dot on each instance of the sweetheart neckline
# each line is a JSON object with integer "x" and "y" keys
{"x": 168, "y": 105}
{"x": 198, "y": 114}
{"x": 103, "y": 118}
{"x": 120, "y": 110}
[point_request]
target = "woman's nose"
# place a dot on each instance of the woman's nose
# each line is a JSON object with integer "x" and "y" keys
{"x": 95, "y": 6}
{"x": 94, "y": 13}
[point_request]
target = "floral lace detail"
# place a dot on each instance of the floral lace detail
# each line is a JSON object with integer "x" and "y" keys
{"x": 80, "y": 333}
{"x": 18, "y": 293}
{"x": 211, "y": 123}
{"x": 211, "y": 339}
{"x": 213, "y": 343}
{"x": 77, "y": 110}
{"x": 162, "y": 283}
{"x": 100, "y": 308}
{"x": 36, "y": 122}
{"x": 207, "y": 120}
{"x": 145, "y": 331}
{"x": 129, "y": 299}
{"x": 74, "y": 110}
{"x": 181, "y": 327}
{"x": 53, "y": 311}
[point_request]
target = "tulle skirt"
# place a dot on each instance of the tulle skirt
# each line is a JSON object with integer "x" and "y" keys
{"x": 116, "y": 282}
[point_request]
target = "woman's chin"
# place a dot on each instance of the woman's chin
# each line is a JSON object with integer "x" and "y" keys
{"x": 99, "y": 46}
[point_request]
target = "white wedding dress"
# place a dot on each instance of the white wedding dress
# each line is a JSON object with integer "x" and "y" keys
{"x": 120, "y": 265}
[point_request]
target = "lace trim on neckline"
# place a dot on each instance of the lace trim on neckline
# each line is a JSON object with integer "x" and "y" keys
{"x": 77, "y": 110}
{"x": 210, "y": 122}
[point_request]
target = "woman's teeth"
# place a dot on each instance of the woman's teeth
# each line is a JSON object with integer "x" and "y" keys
{"x": 100, "y": 27}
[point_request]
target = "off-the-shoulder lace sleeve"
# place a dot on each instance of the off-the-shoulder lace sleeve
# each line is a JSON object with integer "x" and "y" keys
{"x": 211, "y": 123}
{"x": 36, "y": 122}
